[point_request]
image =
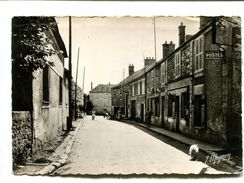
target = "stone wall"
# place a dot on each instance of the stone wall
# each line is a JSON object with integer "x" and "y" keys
{"x": 214, "y": 95}
{"x": 235, "y": 121}
{"x": 21, "y": 136}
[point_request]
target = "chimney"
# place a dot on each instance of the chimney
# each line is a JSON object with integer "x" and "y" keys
{"x": 181, "y": 33}
{"x": 91, "y": 86}
{"x": 204, "y": 21}
{"x": 148, "y": 61}
{"x": 168, "y": 48}
{"x": 131, "y": 69}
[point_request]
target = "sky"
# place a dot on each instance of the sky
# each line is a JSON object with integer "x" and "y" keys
{"x": 109, "y": 44}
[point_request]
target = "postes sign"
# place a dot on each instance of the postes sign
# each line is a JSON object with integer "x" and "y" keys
{"x": 214, "y": 54}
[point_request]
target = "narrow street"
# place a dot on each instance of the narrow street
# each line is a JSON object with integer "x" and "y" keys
{"x": 109, "y": 147}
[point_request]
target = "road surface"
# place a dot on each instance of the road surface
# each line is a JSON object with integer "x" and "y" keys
{"x": 110, "y": 147}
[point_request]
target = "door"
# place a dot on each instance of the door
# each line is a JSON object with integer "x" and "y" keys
{"x": 197, "y": 111}
{"x": 162, "y": 112}
{"x": 126, "y": 106}
{"x": 133, "y": 109}
{"x": 142, "y": 113}
{"x": 177, "y": 116}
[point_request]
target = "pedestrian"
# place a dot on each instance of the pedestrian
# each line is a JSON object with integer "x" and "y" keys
{"x": 93, "y": 114}
{"x": 193, "y": 152}
{"x": 186, "y": 114}
{"x": 148, "y": 117}
{"x": 119, "y": 114}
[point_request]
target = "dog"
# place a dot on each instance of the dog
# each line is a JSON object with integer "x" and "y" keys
{"x": 194, "y": 151}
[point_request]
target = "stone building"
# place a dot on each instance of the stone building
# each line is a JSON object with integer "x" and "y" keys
{"x": 100, "y": 96}
{"x": 129, "y": 94}
{"x": 40, "y": 101}
{"x": 195, "y": 89}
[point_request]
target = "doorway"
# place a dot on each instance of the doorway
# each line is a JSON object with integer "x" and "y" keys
{"x": 162, "y": 111}
{"x": 133, "y": 109}
{"x": 142, "y": 113}
{"x": 177, "y": 111}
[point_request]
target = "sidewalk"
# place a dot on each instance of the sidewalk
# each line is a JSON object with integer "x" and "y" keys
{"x": 58, "y": 158}
{"x": 203, "y": 146}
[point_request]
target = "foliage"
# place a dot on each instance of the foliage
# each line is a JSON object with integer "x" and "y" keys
{"x": 79, "y": 93}
{"x": 31, "y": 46}
{"x": 21, "y": 140}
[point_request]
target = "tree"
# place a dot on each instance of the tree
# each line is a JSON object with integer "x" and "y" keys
{"x": 89, "y": 106}
{"x": 30, "y": 44}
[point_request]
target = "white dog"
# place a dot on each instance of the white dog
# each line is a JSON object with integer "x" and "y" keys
{"x": 193, "y": 151}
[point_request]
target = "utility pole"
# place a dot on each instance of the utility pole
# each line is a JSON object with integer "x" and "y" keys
{"x": 69, "y": 121}
{"x": 77, "y": 65}
{"x": 155, "y": 38}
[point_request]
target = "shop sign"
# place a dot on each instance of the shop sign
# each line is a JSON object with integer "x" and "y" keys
{"x": 214, "y": 54}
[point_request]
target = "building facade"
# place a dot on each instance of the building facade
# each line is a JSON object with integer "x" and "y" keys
{"x": 100, "y": 97}
{"x": 129, "y": 96}
{"x": 40, "y": 104}
{"x": 195, "y": 89}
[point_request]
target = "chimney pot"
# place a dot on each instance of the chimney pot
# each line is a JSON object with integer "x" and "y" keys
{"x": 148, "y": 61}
{"x": 167, "y": 49}
{"x": 181, "y": 33}
{"x": 131, "y": 69}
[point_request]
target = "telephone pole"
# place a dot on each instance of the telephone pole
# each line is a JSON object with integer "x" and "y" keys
{"x": 69, "y": 121}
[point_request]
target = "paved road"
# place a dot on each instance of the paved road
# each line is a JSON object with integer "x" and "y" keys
{"x": 109, "y": 147}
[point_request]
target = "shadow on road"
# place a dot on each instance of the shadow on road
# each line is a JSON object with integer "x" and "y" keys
{"x": 184, "y": 148}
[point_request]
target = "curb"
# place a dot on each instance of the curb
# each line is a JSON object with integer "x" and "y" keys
{"x": 63, "y": 160}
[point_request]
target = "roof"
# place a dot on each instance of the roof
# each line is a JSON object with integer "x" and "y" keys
{"x": 135, "y": 75}
{"x": 58, "y": 37}
{"x": 187, "y": 41}
{"x": 102, "y": 88}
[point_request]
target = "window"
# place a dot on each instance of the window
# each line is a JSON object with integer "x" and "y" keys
{"x": 60, "y": 90}
{"x": 163, "y": 73}
{"x": 45, "y": 85}
{"x": 170, "y": 105}
{"x": 143, "y": 87}
{"x": 157, "y": 71}
{"x": 133, "y": 90}
{"x": 136, "y": 88}
{"x": 185, "y": 107}
{"x": 198, "y": 47}
{"x": 199, "y": 110}
{"x": 177, "y": 64}
{"x": 140, "y": 87}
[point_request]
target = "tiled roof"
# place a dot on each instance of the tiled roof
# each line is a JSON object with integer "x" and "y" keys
{"x": 102, "y": 88}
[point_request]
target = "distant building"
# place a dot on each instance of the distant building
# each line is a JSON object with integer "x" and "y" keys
{"x": 100, "y": 97}
{"x": 129, "y": 95}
